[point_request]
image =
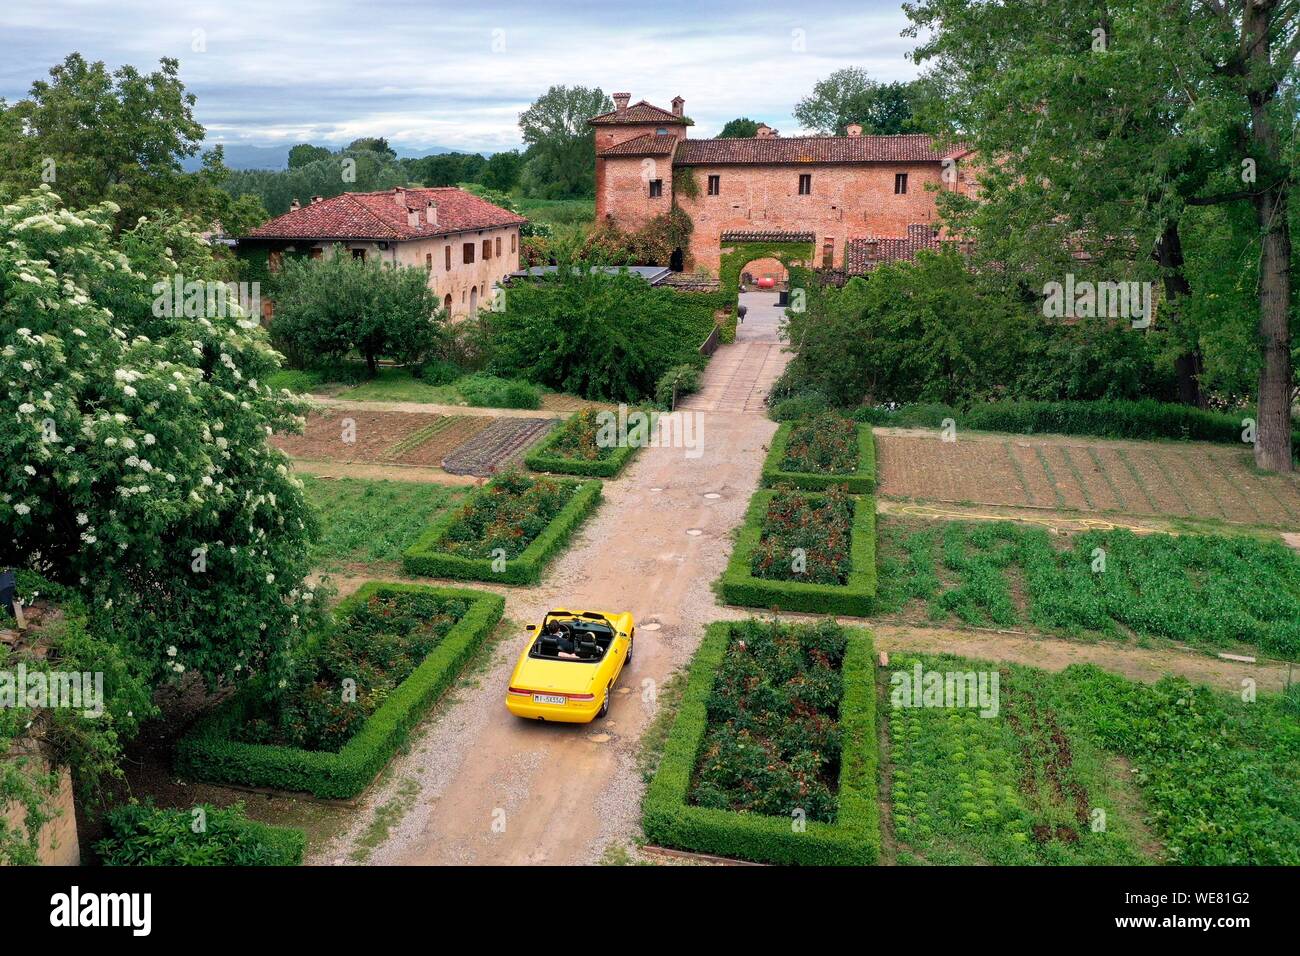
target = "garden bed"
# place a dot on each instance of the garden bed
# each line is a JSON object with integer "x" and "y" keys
{"x": 836, "y": 532}
{"x": 1083, "y": 766}
{"x": 1220, "y": 593}
{"x": 402, "y": 664}
{"x": 505, "y": 532}
{"x": 816, "y": 735}
{"x": 572, "y": 449}
{"x": 820, "y": 452}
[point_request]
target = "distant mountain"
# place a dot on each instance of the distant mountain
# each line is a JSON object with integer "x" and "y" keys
{"x": 240, "y": 156}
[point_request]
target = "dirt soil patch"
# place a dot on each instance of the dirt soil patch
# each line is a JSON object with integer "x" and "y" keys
{"x": 1180, "y": 480}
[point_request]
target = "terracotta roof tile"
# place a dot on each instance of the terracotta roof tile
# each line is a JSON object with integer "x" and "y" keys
{"x": 641, "y": 112}
{"x": 649, "y": 144}
{"x": 382, "y": 215}
{"x": 907, "y": 148}
{"x": 863, "y": 255}
{"x": 765, "y": 235}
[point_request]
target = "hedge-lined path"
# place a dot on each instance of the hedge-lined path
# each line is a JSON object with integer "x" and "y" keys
{"x": 741, "y": 373}
{"x": 564, "y": 793}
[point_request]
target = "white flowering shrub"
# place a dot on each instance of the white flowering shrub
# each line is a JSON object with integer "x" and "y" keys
{"x": 133, "y": 448}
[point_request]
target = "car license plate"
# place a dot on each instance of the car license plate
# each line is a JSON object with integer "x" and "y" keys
{"x": 548, "y": 699}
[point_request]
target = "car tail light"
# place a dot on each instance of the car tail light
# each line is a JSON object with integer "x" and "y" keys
{"x": 581, "y": 696}
{"x": 521, "y": 692}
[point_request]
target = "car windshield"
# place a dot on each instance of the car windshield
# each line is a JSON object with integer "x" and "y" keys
{"x": 580, "y": 641}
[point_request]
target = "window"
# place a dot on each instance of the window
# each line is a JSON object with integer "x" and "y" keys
{"x": 316, "y": 253}
{"x": 274, "y": 260}
{"x": 487, "y": 249}
{"x": 359, "y": 254}
{"x": 468, "y": 252}
{"x": 656, "y": 188}
{"x": 514, "y": 237}
{"x": 828, "y": 252}
{"x": 428, "y": 262}
{"x": 900, "y": 183}
{"x": 498, "y": 250}
{"x": 448, "y": 251}
{"x": 805, "y": 184}
{"x": 715, "y": 185}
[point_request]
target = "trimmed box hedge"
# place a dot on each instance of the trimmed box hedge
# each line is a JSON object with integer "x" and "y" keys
{"x": 862, "y": 481}
{"x": 853, "y": 840}
{"x": 1140, "y": 420}
{"x": 542, "y": 458}
{"x": 210, "y": 753}
{"x": 424, "y": 557}
{"x": 857, "y": 597}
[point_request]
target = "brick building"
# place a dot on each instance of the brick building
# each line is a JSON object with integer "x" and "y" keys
{"x": 860, "y": 199}
{"x": 466, "y": 244}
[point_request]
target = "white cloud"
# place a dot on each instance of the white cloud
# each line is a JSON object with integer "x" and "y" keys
{"x": 424, "y": 74}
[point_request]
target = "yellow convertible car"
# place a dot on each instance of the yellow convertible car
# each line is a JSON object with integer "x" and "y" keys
{"x": 569, "y": 668}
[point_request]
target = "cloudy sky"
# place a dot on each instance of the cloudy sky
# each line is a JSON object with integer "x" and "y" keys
{"x": 457, "y": 74}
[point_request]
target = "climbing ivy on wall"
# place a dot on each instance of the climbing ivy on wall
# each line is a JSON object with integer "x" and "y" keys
{"x": 651, "y": 245}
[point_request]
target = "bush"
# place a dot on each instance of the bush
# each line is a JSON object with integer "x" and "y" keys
{"x": 804, "y": 405}
{"x": 529, "y": 518}
{"x": 328, "y": 307}
{"x": 586, "y": 332}
{"x": 210, "y": 752}
{"x": 489, "y": 391}
{"x": 932, "y": 331}
{"x": 672, "y": 814}
{"x": 739, "y": 585}
{"x": 574, "y": 449}
{"x": 780, "y": 468}
{"x": 439, "y": 371}
{"x": 140, "y": 834}
{"x": 677, "y": 381}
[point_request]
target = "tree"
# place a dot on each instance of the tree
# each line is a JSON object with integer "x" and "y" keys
{"x": 740, "y": 128}
{"x": 371, "y": 144}
{"x": 585, "y": 331}
{"x": 558, "y": 161}
{"x": 136, "y": 465}
{"x": 502, "y": 171}
{"x": 913, "y": 332}
{"x": 1181, "y": 105}
{"x": 851, "y": 96}
{"x": 327, "y": 307}
{"x": 119, "y": 137}
{"x": 305, "y": 153}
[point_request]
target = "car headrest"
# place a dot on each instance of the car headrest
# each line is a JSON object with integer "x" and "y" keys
{"x": 587, "y": 647}
{"x": 548, "y": 644}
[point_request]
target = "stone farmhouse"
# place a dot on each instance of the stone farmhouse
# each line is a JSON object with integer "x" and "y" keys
{"x": 466, "y": 244}
{"x": 861, "y": 200}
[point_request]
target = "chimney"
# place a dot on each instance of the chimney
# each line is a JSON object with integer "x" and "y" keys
{"x": 316, "y": 199}
{"x": 431, "y": 213}
{"x": 853, "y": 129}
{"x": 399, "y": 196}
{"x": 413, "y": 217}
{"x": 294, "y": 204}
{"x": 679, "y": 104}
{"x": 620, "y": 101}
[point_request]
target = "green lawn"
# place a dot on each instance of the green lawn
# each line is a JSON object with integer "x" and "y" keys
{"x": 399, "y": 385}
{"x": 558, "y": 212}
{"x": 364, "y": 521}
